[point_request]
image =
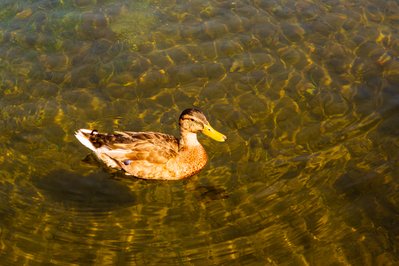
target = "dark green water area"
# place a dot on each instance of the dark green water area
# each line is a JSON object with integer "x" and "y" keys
{"x": 306, "y": 91}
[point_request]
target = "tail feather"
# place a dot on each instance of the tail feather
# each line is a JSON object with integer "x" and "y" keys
{"x": 81, "y": 135}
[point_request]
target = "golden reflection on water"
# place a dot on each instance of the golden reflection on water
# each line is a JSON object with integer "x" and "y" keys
{"x": 306, "y": 92}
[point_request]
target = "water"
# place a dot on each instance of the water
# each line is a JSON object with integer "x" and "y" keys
{"x": 306, "y": 92}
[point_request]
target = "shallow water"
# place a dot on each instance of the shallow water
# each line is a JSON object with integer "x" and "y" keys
{"x": 306, "y": 92}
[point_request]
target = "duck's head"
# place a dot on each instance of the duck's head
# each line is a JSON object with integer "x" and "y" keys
{"x": 193, "y": 120}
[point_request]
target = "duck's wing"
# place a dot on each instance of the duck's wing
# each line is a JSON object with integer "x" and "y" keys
{"x": 152, "y": 147}
{"x": 125, "y": 147}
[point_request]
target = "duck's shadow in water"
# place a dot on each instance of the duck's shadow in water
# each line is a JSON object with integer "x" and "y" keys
{"x": 210, "y": 193}
{"x": 94, "y": 191}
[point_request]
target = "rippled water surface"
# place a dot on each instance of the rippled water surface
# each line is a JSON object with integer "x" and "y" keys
{"x": 306, "y": 91}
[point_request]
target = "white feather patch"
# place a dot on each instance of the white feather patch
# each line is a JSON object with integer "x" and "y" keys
{"x": 83, "y": 139}
{"x": 191, "y": 139}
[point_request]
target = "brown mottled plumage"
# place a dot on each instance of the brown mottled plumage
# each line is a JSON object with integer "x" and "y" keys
{"x": 153, "y": 155}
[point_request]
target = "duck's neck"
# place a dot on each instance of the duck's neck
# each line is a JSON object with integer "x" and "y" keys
{"x": 188, "y": 139}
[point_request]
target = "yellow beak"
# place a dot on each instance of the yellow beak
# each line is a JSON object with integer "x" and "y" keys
{"x": 213, "y": 134}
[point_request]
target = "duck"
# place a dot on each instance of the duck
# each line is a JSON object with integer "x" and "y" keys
{"x": 154, "y": 155}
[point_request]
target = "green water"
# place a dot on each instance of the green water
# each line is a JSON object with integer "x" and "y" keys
{"x": 307, "y": 93}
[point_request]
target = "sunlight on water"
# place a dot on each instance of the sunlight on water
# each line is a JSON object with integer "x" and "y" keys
{"x": 306, "y": 92}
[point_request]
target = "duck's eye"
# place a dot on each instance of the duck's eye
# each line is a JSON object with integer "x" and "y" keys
{"x": 191, "y": 119}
